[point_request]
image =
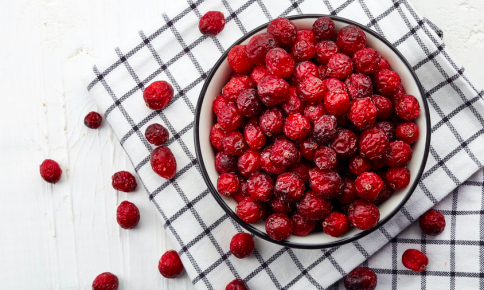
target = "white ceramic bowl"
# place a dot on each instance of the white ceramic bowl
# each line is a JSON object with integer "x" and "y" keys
{"x": 204, "y": 119}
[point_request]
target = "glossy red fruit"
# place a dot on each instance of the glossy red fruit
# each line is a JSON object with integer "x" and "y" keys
{"x": 325, "y": 158}
{"x": 254, "y": 136}
{"x": 250, "y": 210}
{"x": 105, "y": 281}
{"x": 249, "y": 103}
{"x": 273, "y": 90}
{"x": 237, "y": 284}
{"x": 242, "y": 245}
{"x": 219, "y": 102}
{"x": 307, "y": 35}
{"x": 324, "y": 129}
{"x": 333, "y": 84}
{"x": 308, "y": 148}
{"x": 280, "y": 63}
{"x": 235, "y": 86}
{"x": 249, "y": 163}
{"x": 279, "y": 226}
{"x": 127, "y": 215}
{"x": 384, "y": 194}
{"x": 368, "y": 186}
{"x": 297, "y": 127}
{"x": 398, "y": 177}
{"x": 157, "y": 95}
{"x": 325, "y": 50}
{"x": 156, "y": 134}
{"x": 302, "y": 70}
{"x": 384, "y": 107}
{"x": 211, "y": 23}
{"x": 303, "y": 50}
{"x": 345, "y": 143}
{"x": 387, "y": 127}
{"x": 314, "y": 207}
{"x": 362, "y": 112}
{"x": 323, "y": 28}
{"x": 415, "y": 260}
{"x": 258, "y": 47}
{"x": 228, "y": 184}
{"x": 260, "y": 186}
{"x": 293, "y": 104}
{"x": 266, "y": 163}
{"x": 301, "y": 225}
{"x": 407, "y": 108}
{"x": 387, "y": 82}
{"x": 384, "y": 64}
{"x": 242, "y": 192}
{"x": 271, "y": 121}
{"x": 339, "y": 66}
{"x": 359, "y": 86}
{"x": 358, "y": 165}
{"x": 238, "y": 59}
{"x": 283, "y": 30}
{"x": 225, "y": 163}
{"x": 93, "y": 120}
{"x": 364, "y": 215}
{"x": 279, "y": 206}
{"x": 351, "y": 39}
{"x": 336, "y": 224}
{"x": 302, "y": 169}
{"x": 348, "y": 194}
{"x": 284, "y": 153}
{"x": 360, "y": 279}
{"x": 234, "y": 143}
{"x": 311, "y": 90}
{"x": 163, "y": 162}
{"x": 399, "y": 154}
{"x": 313, "y": 113}
{"x": 50, "y": 171}
{"x": 327, "y": 183}
{"x": 407, "y": 132}
{"x": 229, "y": 118}
{"x": 336, "y": 103}
{"x": 170, "y": 265}
{"x": 258, "y": 73}
{"x": 373, "y": 143}
{"x": 124, "y": 181}
{"x": 432, "y": 222}
{"x": 289, "y": 187}
{"x": 367, "y": 61}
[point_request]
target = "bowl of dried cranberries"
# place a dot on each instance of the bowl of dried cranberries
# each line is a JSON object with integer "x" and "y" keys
{"x": 312, "y": 131}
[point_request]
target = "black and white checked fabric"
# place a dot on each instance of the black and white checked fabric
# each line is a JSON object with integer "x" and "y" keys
{"x": 174, "y": 50}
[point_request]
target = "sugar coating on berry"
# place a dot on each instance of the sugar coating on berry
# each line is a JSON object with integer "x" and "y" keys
{"x": 242, "y": 245}
{"x": 323, "y": 28}
{"x": 170, "y": 264}
{"x": 364, "y": 215}
{"x": 124, "y": 181}
{"x": 289, "y": 187}
{"x": 158, "y": 94}
{"x": 279, "y": 226}
{"x": 93, "y": 120}
{"x": 237, "y": 284}
{"x": 415, "y": 260}
{"x": 314, "y": 207}
{"x": 326, "y": 183}
{"x": 211, "y": 23}
{"x": 228, "y": 184}
{"x": 238, "y": 59}
{"x": 368, "y": 185}
{"x": 432, "y": 222}
{"x": 127, "y": 215}
{"x": 283, "y": 30}
{"x": 351, "y": 39}
{"x": 336, "y": 224}
{"x": 163, "y": 162}
{"x": 258, "y": 47}
{"x": 360, "y": 279}
{"x": 260, "y": 186}
{"x": 50, "y": 171}
{"x": 105, "y": 281}
{"x": 156, "y": 134}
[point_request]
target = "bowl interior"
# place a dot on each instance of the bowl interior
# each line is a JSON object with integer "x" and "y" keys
{"x": 387, "y": 209}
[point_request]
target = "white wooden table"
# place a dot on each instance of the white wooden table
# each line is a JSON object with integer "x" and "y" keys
{"x": 62, "y": 236}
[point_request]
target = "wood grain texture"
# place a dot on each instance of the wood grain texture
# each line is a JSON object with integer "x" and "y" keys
{"x": 62, "y": 236}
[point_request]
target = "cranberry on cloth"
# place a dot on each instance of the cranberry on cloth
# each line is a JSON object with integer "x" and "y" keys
{"x": 174, "y": 50}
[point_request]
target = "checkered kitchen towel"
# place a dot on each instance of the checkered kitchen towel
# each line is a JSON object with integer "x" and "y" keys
{"x": 174, "y": 50}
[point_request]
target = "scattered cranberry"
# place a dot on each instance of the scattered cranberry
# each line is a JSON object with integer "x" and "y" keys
{"x": 314, "y": 207}
{"x": 254, "y": 136}
{"x": 399, "y": 154}
{"x": 364, "y": 215}
{"x": 242, "y": 245}
{"x": 387, "y": 82}
{"x": 336, "y": 224}
{"x": 311, "y": 90}
{"x": 273, "y": 90}
{"x": 284, "y": 153}
{"x": 157, "y": 95}
{"x": 258, "y": 47}
{"x": 228, "y": 184}
{"x": 398, "y": 177}
{"x": 407, "y": 132}
{"x": 260, "y": 186}
{"x": 225, "y": 163}
{"x": 348, "y": 194}
{"x": 360, "y": 279}
{"x": 368, "y": 185}
{"x": 297, "y": 127}
{"x": 124, "y": 181}
{"x": 105, "y": 281}
{"x": 50, "y": 171}
{"x": 407, "y": 108}
{"x": 327, "y": 183}
{"x": 289, "y": 187}
{"x": 324, "y": 129}
{"x": 432, "y": 222}
{"x": 344, "y": 143}
{"x": 283, "y": 30}
{"x": 367, "y": 61}
{"x": 301, "y": 225}
{"x": 325, "y": 50}
{"x": 266, "y": 163}
{"x": 339, "y": 66}
{"x": 127, "y": 215}
{"x": 163, "y": 162}
{"x": 170, "y": 265}
{"x": 212, "y": 23}
{"x": 250, "y": 210}
{"x": 258, "y": 73}
{"x": 156, "y": 134}
{"x": 362, "y": 112}
{"x": 415, "y": 260}
{"x": 293, "y": 104}
{"x": 373, "y": 143}
{"x": 303, "y": 50}
{"x": 279, "y": 226}
{"x": 313, "y": 113}
{"x": 93, "y": 120}
{"x": 336, "y": 103}
{"x": 325, "y": 158}
{"x": 237, "y": 284}
{"x": 249, "y": 163}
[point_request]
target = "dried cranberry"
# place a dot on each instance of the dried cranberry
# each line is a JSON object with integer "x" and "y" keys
{"x": 398, "y": 177}
{"x": 280, "y": 206}
{"x": 384, "y": 64}
{"x": 157, "y": 95}
{"x": 238, "y": 59}
{"x": 333, "y": 84}
{"x": 297, "y": 127}
{"x": 228, "y": 184}
{"x": 229, "y": 118}
{"x": 301, "y": 225}
{"x": 311, "y": 90}
{"x": 339, "y": 66}
{"x": 237, "y": 284}
{"x": 313, "y": 113}
{"x": 345, "y": 143}
{"x": 273, "y": 90}
{"x": 211, "y": 23}
{"x": 377, "y": 163}
{"x": 407, "y": 108}
{"x": 432, "y": 222}
{"x": 325, "y": 50}
{"x": 218, "y": 104}
{"x": 163, "y": 162}
{"x": 308, "y": 147}
{"x": 302, "y": 70}
{"x": 398, "y": 94}
{"x": 415, "y": 260}
{"x": 93, "y": 120}
{"x": 364, "y": 215}
{"x": 336, "y": 103}
{"x": 271, "y": 121}
{"x": 234, "y": 143}
{"x": 249, "y": 103}
{"x": 293, "y": 104}
{"x": 362, "y": 112}
{"x": 387, "y": 127}
{"x": 127, "y": 215}
{"x": 258, "y": 73}
{"x": 351, "y": 39}
{"x": 284, "y": 153}
{"x": 266, "y": 163}
{"x": 325, "y": 158}
{"x": 170, "y": 265}
{"x": 242, "y": 245}
{"x": 407, "y": 132}
{"x": 336, "y": 224}
{"x": 322, "y": 69}
{"x": 373, "y": 143}
{"x": 314, "y": 207}
{"x": 156, "y": 134}
{"x": 324, "y": 129}
{"x": 249, "y": 163}
{"x": 283, "y": 30}
{"x": 235, "y": 86}
{"x": 359, "y": 86}
{"x": 289, "y": 187}
{"x": 368, "y": 185}
{"x": 328, "y": 183}
{"x": 280, "y": 63}
{"x": 384, "y": 107}
{"x": 323, "y": 28}
{"x": 242, "y": 192}
{"x": 254, "y": 137}
{"x": 105, "y": 281}
{"x": 250, "y": 210}
{"x": 303, "y": 50}
{"x": 260, "y": 186}
{"x": 348, "y": 194}
{"x": 367, "y": 61}
{"x": 279, "y": 226}
{"x": 360, "y": 279}
{"x": 399, "y": 154}
{"x": 307, "y": 35}
{"x": 384, "y": 194}
{"x": 302, "y": 169}
{"x": 124, "y": 181}
{"x": 50, "y": 171}
{"x": 258, "y": 47}
{"x": 225, "y": 163}
{"x": 358, "y": 165}
{"x": 387, "y": 82}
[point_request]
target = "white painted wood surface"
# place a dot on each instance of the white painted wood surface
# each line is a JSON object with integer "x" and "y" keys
{"x": 62, "y": 236}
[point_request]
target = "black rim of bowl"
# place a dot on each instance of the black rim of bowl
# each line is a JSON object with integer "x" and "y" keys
{"x": 264, "y": 235}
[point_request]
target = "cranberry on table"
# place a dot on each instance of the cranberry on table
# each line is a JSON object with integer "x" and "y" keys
{"x": 157, "y": 95}
{"x": 266, "y": 163}
{"x": 283, "y": 30}
{"x": 219, "y": 102}
{"x": 407, "y": 132}
{"x": 432, "y": 222}
{"x": 225, "y": 163}
{"x": 364, "y": 215}
{"x": 314, "y": 207}
{"x": 260, "y": 186}
{"x": 311, "y": 90}
{"x": 415, "y": 260}
{"x": 163, "y": 162}
{"x": 156, "y": 134}
{"x": 399, "y": 154}
{"x": 234, "y": 143}
{"x": 348, "y": 194}
{"x": 93, "y": 120}
{"x": 359, "y": 86}
{"x": 339, "y": 66}
{"x": 368, "y": 185}
{"x": 297, "y": 127}
{"x": 387, "y": 82}
{"x": 303, "y": 50}
{"x": 235, "y": 86}
{"x": 289, "y": 187}
{"x": 280, "y": 206}
{"x": 237, "y": 284}
{"x": 254, "y": 136}
{"x": 325, "y": 50}
{"x": 313, "y": 113}
{"x": 211, "y": 23}
{"x": 271, "y": 121}
{"x": 229, "y": 118}
{"x": 124, "y": 181}
{"x": 360, "y": 279}
{"x": 301, "y": 225}
{"x": 324, "y": 129}
{"x": 373, "y": 143}
{"x": 325, "y": 158}
{"x": 398, "y": 177}
{"x": 284, "y": 153}
{"x": 258, "y": 73}
{"x": 273, "y": 90}
{"x": 105, "y": 281}
{"x": 336, "y": 103}
{"x": 407, "y": 108}
{"x": 336, "y": 224}
{"x": 293, "y": 104}
{"x": 249, "y": 103}
{"x": 345, "y": 143}
{"x": 238, "y": 59}
{"x": 127, "y": 215}
{"x": 170, "y": 265}
{"x": 242, "y": 245}
{"x": 258, "y": 47}
{"x": 358, "y": 165}
{"x": 249, "y": 163}
{"x": 362, "y": 112}
{"x": 50, "y": 171}
{"x": 250, "y": 210}
{"x": 280, "y": 63}
{"x": 228, "y": 184}
{"x": 279, "y": 226}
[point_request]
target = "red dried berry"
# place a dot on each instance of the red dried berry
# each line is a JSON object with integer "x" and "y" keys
{"x": 237, "y": 284}
{"x": 345, "y": 143}
{"x": 293, "y": 104}
{"x": 324, "y": 129}
{"x": 325, "y": 158}
{"x": 308, "y": 147}
{"x": 228, "y": 184}
{"x": 303, "y": 50}
{"x": 273, "y": 90}
{"x": 284, "y": 153}
{"x": 359, "y": 86}
{"x": 367, "y": 61}
{"x": 313, "y": 113}
{"x": 384, "y": 64}
{"x": 387, "y": 127}
{"x": 360, "y": 279}
{"x": 249, "y": 103}
{"x": 258, "y": 47}
{"x": 127, "y": 215}
{"x": 211, "y": 23}
{"x": 351, "y": 39}
{"x": 336, "y": 224}
{"x": 280, "y": 63}
{"x": 235, "y": 86}
{"x": 254, "y": 137}
{"x": 289, "y": 187}
{"x": 387, "y": 82}
{"x": 170, "y": 265}
{"x": 279, "y": 226}
{"x": 407, "y": 108}
{"x": 322, "y": 69}
{"x": 328, "y": 183}
{"x": 157, "y": 95}
{"x": 242, "y": 192}
{"x": 314, "y": 207}
{"x": 307, "y": 35}
{"x": 358, "y": 165}
{"x": 163, "y": 162}
{"x": 384, "y": 194}
{"x": 271, "y": 121}
{"x": 398, "y": 177}
{"x": 407, "y": 132}
{"x": 415, "y": 260}
{"x": 373, "y": 143}
{"x": 93, "y": 120}
{"x": 266, "y": 163}
{"x": 218, "y": 104}
{"x": 156, "y": 134}
{"x": 432, "y": 222}
{"x": 280, "y": 206}
{"x": 362, "y": 112}
{"x": 377, "y": 163}
{"x": 336, "y": 103}
{"x": 238, "y": 59}
{"x": 301, "y": 225}
{"x": 250, "y": 210}
{"x": 399, "y": 154}
{"x": 105, "y": 281}
{"x": 283, "y": 30}
{"x": 325, "y": 50}
{"x": 234, "y": 143}
{"x": 229, "y": 118}
{"x": 50, "y": 171}
{"x": 323, "y": 28}
{"x": 297, "y": 127}
{"x": 333, "y": 84}
{"x": 260, "y": 186}
{"x": 348, "y": 194}
{"x": 311, "y": 90}
{"x": 384, "y": 107}
{"x": 339, "y": 66}
{"x": 398, "y": 94}
{"x": 124, "y": 181}
{"x": 368, "y": 185}
{"x": 225, "y": 163}
{"x": 303, "y": 70}
{"x": 302, "y": 169}
{"x": 242, "y": 245}
{"x": 364, "y": 215}
{"x": 249, "y": 163}
{"x": 258, "y": 73}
